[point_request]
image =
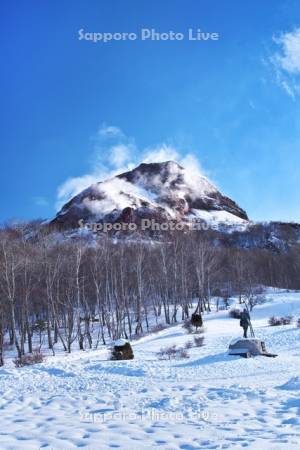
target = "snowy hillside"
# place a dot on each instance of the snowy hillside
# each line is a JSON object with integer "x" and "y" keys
{"x": 210, "y": 400}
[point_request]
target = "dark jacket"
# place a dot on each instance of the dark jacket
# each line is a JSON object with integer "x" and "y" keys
{"x": 245, "y": 319}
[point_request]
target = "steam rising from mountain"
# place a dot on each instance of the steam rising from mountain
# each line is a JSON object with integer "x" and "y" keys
{"x": 115, "y": 153}
{"x": 164, "y": 190}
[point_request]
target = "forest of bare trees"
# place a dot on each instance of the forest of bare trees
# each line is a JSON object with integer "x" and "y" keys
{"x": 55, "y": 291}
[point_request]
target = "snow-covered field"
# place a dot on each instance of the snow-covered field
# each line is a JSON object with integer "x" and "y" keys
{"x": 210, "y": 400}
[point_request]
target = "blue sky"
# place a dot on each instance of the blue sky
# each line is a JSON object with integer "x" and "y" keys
{"x": 69, "y": 106}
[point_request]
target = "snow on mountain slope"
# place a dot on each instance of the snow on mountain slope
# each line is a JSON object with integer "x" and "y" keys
{"x": 164, "y": 191}
{"x": 215, "y": 219}
{"x": 210, "y": 400}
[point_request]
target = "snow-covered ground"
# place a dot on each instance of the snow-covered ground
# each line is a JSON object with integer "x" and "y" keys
{"x": 210, "y": 400}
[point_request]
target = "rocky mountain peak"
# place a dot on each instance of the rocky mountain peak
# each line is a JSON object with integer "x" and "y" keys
{"x": 163, "y": 190}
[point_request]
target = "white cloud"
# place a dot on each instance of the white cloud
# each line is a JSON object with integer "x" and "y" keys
{"x": 72, "y": 187}
{"x": 289, "y": 87}
{"x": 120, "y": 154}
{"x": 286, "y": 61}
{"x": 195, "y": 175}
{"x": 160, "y": 153}
{"x": 112, "y": 153}
{"x": 289, "y": 56}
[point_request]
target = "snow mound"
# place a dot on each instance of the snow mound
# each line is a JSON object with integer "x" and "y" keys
{"x": 291, "y": 385}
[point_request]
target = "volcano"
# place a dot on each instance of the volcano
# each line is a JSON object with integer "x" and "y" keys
{"x": 163, "y": 191}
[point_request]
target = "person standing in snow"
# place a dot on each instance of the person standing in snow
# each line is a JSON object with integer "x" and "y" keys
{"x": 245, "y": 321}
